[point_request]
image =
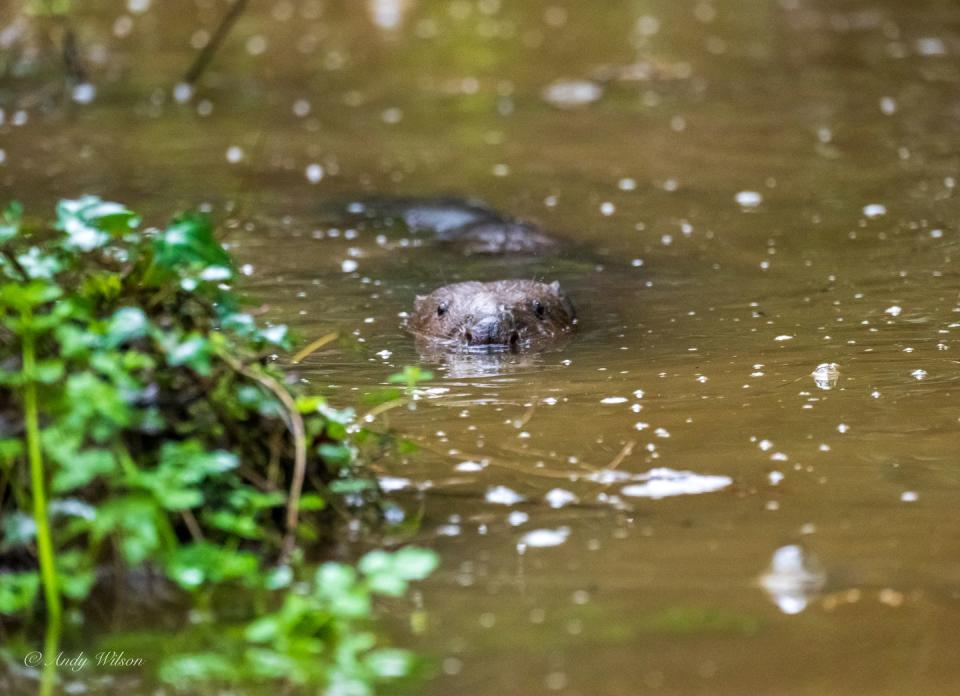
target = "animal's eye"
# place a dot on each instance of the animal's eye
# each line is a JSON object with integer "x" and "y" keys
{"x": 539, "y": 309}
{"x": 442, "y": 309}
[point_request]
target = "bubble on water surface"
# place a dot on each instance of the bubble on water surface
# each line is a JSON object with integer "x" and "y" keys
{"x": 930, "y": 46}
{"x": 893, "y": 311}
{"x": 875, "y": 210}
{"x": 613, "y": 400}
{"x": 543, "y": 538}
{"x": 234, "y": 154}
{"x": 607, "y": 208}
{"x": 749, "y": 199}
{"x": 909, "y": 496}
{"x": 919, "y": 374}
{"x": 471, "y": 466}
{"x": 138, "y": 6}
{"x": 568, "y": 94}
{"x": 826, "y": 375}
{"x": 664, "y": 482}
{"x": 516, "y": 518}
{"x": 627, "y": 184}
{"x": 84, "y": 93}
{"x": 783, "y": 337}
{"x": 793, "y": 578}
{"x": 559, "y": 497}
{"x": 314, "y": 173}
{"x": 501, "y": 495}
{"x": 392, "y": 115}
{"x": 349, "y": 265}
{"x": 182, "y": 92}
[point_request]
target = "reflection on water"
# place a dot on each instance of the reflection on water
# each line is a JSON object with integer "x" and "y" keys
{"x": 745, "y": 192}
{"x": 794, "y": 578}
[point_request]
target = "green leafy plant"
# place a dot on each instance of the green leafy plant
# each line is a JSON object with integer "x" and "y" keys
{"x": 142, "y": 421}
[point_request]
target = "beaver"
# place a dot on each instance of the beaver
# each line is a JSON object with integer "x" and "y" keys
{"x": 503, "y": 315}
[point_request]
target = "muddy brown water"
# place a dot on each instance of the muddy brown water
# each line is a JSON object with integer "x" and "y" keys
{"x": 779, "y": 194}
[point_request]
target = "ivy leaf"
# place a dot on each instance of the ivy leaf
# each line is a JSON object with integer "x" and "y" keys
{"x": 81, "y": 468}
{"x": 126, "y": 324}
{"x": 90, "y": 223}
{"x": 189, "y": 241}
{"x": 38, "y": 265}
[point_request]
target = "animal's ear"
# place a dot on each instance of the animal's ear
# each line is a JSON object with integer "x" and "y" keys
{"x": 418, "y": 301}
{"x": 555, "y": 286}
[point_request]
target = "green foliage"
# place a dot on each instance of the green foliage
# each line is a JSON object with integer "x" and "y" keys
{"x": 317, "y": 637}
{"x": 165, "y": 438}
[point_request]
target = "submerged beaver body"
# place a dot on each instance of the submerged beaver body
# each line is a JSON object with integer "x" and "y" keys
{"x": 504, "y": 315}
{"x": 466, "y": 226}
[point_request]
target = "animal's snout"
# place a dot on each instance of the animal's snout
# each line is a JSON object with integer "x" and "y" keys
{"x": 492, "y": 330}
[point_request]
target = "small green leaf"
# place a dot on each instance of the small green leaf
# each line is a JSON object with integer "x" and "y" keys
{"x": 18, "y": 591}
{"x": 126, "y": 324}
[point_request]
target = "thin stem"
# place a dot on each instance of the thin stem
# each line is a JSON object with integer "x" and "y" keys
{"x": 48, "y": 569}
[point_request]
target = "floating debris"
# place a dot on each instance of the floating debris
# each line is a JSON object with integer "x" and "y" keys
{"x": 794, "y": 577}
{"x": 663, "y": 483}
{"x": 826, "y": 375}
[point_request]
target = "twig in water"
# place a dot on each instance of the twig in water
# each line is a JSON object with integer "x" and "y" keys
{"x": 208, "y": 51}
{"x": 624, "y": 453}
{"x": 313, "y": 347}
{"x": 295, "y": 424}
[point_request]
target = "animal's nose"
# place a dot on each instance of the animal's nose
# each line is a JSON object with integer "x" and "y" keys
{"x": 484, "y": 331}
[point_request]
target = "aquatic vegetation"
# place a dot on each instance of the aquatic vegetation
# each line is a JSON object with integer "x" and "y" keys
{"x": 143, "y": 423}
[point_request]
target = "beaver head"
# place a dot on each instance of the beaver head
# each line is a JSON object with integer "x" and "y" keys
{"x": 502, "y": 315}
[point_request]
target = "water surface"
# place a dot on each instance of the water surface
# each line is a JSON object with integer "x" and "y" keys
{"x": 777, "y": 192}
